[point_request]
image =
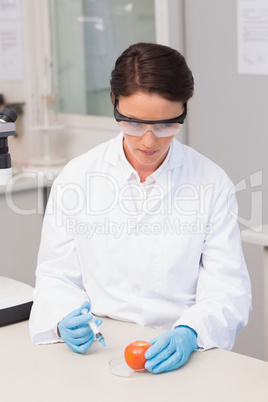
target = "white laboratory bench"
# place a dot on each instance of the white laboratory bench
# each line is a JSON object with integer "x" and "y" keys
{"x": 56, "y": 373}
{"x": 259, "y": 236}
{"x": 31, "y": 177}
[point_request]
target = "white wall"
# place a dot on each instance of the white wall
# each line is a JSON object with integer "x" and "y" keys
{"x": 228, "y": 123}
{"x": 228, "y": 114}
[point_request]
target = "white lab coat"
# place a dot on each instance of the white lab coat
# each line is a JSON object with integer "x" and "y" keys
{"x": 175, "y": 261}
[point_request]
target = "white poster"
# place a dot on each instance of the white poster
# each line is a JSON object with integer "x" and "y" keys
{"x": 252, "y": 36}
{"x": 11, "y": 57}
{"x": 10, "y": 9}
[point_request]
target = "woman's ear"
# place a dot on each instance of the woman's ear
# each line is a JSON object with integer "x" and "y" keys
{"x": 112, "y": 97}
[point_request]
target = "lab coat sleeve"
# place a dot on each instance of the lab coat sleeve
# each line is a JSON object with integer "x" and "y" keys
{"x": 59, "y": 288}
{"x": 223, "y": 294}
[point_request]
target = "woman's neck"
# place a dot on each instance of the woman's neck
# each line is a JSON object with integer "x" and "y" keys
{"x": 143, "y": 170}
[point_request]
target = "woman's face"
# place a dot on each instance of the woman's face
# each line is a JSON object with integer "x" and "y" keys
{"x": 148, "y": 151}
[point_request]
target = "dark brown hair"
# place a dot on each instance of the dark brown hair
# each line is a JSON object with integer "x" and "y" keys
{"x": 152, "y": 68}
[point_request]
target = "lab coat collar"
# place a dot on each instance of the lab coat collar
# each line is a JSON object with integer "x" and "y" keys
{"x": 165, "y": 180}
{"x": 176, "y": 157}
{"x": 112, "y": 154}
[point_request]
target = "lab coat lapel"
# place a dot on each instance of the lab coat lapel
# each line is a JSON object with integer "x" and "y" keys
{"x": 154, "y": 202}
{"x": 120, "y": 177}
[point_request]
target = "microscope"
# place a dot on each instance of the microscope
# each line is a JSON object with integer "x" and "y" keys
{"x": 16, "y": 298}
{"x": 7, "y": 128}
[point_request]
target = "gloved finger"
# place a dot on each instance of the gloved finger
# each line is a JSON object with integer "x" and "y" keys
{"x": 161, "y": 356}
{"x": 153, "y": 340}
{"x": 65, "y": 337}
{"x": 160, "y": 343}
{"x": 77, "y": 321}
{"x": 84, "y": 330}
{"x": 83, "y": 339}
{"x": 83, "y": 348}
{"x": 68, "y": 338}
{"x": 86, "y": 305}
{"x": 77, "y": 311}
{"x": 78, "y": 332}
{"x": 80, "y": 348}
{"x": 73, "y": 332}
{"x": 83, "y": 320}
{"x": 172, "y": 363}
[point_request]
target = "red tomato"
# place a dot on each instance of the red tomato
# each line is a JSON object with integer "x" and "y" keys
{"x": 134, "y": 354}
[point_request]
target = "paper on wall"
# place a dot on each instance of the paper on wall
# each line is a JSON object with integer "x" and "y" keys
{"x": 252, "y": 36}
{"x": 11, "y": 56}
{"x": 9, "y": 9}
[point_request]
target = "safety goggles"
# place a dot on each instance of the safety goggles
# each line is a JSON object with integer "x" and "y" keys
{"x": 160, "y": 128}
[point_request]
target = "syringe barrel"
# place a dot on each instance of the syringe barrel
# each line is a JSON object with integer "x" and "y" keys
{"x": 93, "y": 326}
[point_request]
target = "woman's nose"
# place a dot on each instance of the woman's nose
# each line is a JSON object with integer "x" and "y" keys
{"x": 149, "y": 138}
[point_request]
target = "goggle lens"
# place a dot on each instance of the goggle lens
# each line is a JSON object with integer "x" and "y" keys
{"x": 139, "y": 129}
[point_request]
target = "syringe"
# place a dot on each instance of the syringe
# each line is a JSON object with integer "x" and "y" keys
{"x": 98, "y": 335}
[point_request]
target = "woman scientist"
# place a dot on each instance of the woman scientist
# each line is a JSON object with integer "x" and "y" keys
{"x": 143, "y": 228}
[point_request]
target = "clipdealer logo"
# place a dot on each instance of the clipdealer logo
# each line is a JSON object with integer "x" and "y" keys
{"x": 132, "y": 226}
{"x": 102, "y": 196}
{"x": 187, "y": 200}
{"x": 72, "y": 199}
{"x": 254, "y": 222}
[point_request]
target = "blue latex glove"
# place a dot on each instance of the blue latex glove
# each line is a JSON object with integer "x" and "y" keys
{"x": 74, "y": 330}
{"x": 171, "y": 349}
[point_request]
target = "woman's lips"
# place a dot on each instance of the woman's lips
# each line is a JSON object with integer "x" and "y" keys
{"x": 147, "y": 153}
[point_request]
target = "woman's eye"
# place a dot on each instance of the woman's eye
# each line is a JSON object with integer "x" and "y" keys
{"x": 134, "y": 125}
{"x": 164, "y": 126}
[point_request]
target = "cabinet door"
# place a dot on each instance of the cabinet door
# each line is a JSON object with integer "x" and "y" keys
{"x": 21, "y": 221}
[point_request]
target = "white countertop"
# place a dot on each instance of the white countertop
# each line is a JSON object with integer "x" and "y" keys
{"x": 55, "y": 373}
{"x": 257, "y": 235}
{"x": 31, "y": 177}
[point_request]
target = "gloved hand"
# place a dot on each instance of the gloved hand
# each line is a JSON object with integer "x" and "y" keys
{"x": 171, "y": 349}
{"x": 75, "y": 331}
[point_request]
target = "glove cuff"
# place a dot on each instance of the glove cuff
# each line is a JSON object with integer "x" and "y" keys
{"x": 189, "y": 333}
